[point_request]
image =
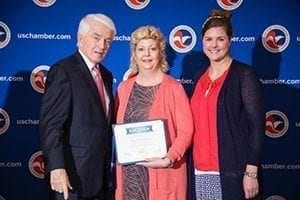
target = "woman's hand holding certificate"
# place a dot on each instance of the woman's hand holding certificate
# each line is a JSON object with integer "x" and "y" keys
{"x": 156, "y": 162}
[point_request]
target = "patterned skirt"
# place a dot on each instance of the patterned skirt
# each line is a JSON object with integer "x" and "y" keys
{"x": 208, "y": 185}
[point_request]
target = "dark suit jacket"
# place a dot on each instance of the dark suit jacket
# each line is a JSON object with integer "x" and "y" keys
{"x": 75, "y": 134}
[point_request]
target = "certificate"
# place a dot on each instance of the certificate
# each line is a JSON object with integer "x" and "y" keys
{"x": 140, "y": 140}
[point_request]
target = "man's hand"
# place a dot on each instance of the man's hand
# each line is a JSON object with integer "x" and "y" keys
{"x": 59, "y": 182}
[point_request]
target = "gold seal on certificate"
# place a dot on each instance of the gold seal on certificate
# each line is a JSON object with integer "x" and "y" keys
{"x": 140, "y": 140}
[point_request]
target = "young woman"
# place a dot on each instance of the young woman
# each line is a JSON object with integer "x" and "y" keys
{"x": 227, "y": 106}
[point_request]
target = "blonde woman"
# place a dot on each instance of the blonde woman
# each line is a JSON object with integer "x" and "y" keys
{"x": 152, "y": 94}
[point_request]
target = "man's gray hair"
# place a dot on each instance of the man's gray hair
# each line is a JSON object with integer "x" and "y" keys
{"x": 85, "y": 22}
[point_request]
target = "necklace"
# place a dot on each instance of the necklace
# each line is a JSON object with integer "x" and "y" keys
{"x": 208, "y": 89}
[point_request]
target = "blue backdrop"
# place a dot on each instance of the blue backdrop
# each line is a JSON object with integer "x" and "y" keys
{"x": 36, "y": 33}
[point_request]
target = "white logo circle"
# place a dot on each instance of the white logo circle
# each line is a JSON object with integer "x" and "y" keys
{"x": 270, "y": 38}
{"x": 38, "y": 78}
{"x": 44, "y": 3}
{"x": 277, "y": 124}
{"x": 5, "y": 120}
{"x": 228, "y": 5}
{"x": 6, "y": 33}
{"x": 136, "y": 4}
{"x": 179, "y": 37}
{"x": 36, "y": 165}
{"x": 275, "y": 197}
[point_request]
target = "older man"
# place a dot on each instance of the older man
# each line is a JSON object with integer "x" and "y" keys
{"x": 76, "y": 115}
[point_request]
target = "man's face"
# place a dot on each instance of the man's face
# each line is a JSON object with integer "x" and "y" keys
{"x": 96, "y": 42}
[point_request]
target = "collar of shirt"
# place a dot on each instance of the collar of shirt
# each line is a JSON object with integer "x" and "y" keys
{"x": 87, "y": 62}
{"x": 90, "y": 66}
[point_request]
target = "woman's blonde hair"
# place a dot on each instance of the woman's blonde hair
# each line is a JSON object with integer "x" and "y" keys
{"x": 148, "y": 32}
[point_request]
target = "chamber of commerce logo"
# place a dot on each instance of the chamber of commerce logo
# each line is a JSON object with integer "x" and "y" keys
{"x": 275, "y": 38}
{"x": 4, "y": 121}
{"x": 4, "y": 35}
{"x": 137, "y": 4}
{"x": 277, "y": 124}
{"x": 229, "y": 4}
{"x": 38, "y": 78}
{"x": 275, "y": 197}
{"x": 182, "y": 38}
{"x": 44, "y": 3}
{"x": 36, "y": 165}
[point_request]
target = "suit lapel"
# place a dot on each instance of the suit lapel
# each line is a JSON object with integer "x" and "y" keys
{"x": 85, "y": 73}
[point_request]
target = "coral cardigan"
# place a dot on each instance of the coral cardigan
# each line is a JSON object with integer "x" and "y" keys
{"x": 171, "y": 104}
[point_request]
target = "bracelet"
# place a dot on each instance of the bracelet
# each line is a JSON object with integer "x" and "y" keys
{"x": 252, "y": 174}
